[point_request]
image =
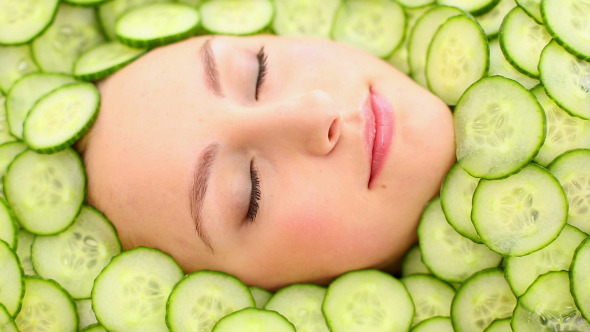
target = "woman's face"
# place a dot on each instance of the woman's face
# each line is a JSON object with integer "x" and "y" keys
{"x": 324, "y": 168}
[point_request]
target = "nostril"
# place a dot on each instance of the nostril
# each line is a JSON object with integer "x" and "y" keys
{"x": 334, "y": 131}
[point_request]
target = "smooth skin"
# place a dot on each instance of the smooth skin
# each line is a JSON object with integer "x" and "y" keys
{"x": 304, "y": 137}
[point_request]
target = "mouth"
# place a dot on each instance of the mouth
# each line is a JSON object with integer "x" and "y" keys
{"x": 378, "y": 132}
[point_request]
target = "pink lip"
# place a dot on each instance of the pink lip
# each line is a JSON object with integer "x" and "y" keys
{"x": 378, "y": 132}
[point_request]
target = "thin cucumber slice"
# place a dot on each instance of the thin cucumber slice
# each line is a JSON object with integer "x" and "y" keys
{"x": 86, "y": 316}
{"x": 447, "y": 254}
{"x": 412, "y": 263}
{"x": 25, "y": 93}
{"x": 105, "y": 59}
{"x": 110, "y": 11}
{"x": 565, "y": 79}
{"x": 6, "y": 322}
{"x": 572, "y": 169}
{"x": 431, "y": 296}
{"x": 475, "y": 7}
{"x": 520, "y": 214}
{"x": 203, "y": 298}
{"x": 304, "y": 17}
{"x": 522, "y": 41}
{"x": 499, "y": 128}
{"x": 500, "y": 325}
{"x": 131, "y": 291}
{"x": 157, "y": 24}
{"x": 75, "y": 30}
{"x": 301, "y": 304}
{"x": 94, "y": 328}
{"x": 416, "y": 3}
{"x": 236, "y": 17}
{"x": 483, "y": 298}
{"x": 75, "y": 257}
{"x": 61, "y": 117}
{"x": 532, "y": 8}
{"x": 23, "y": 251}
{"x": 491, "y": 21}
{"x": 376, "y": 26}
{"x": 367, "y": 300}
{"x": 456, "y": 195}
{"x": 8, "y": 227}
{"x": 44, "y": 191}
{"x": 46, "y": 307}
{"x": 499, "y": 66}
{"x": 11, "y": 279}
{"x": 567, "y": 21}
{"x": 254, "y": 320}
{"x": 457, "y": 57}
{"x": 15, "y": 62}
{"x": 580, "y": 278}
{"x": 9, "y": 151}
{"x": 564, "y": 132}
{"x": 85, "y": 2}
{"x": 420, "y": 38}
{"x": 5, "y": 135}
{"x": 194, "y": 3}
{"x": 260, "y": 295}
{"x": 548, "y": 306}
{"x": 435, "y": 324}
{"x": 23, "y": 20}
{"x": 522, "y": 271}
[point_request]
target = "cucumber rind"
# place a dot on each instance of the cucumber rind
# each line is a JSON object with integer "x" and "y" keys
{"x": 85, "y": 3}
{"x": 499, "y": 66}
{"x": 8, "y": 225}
{"x": 105, "y": 59}
{"x": 253, "y": 320}
{"x": 499, "y": 325}
{"x": 6, "y": 322}
{"x": 579, "y": 278}
{"x": 556, "y": 14}
{"x": 474, "y": 7}
{"x": 218, "y": 16}
{"x": 301, "y": 304}
{"x": 491, "y": 21}
{"x": 11, "y": 279}
{"x": 434, "y": 324}
{"x": 532, "y": 8}
{"x": 10, "y": 35}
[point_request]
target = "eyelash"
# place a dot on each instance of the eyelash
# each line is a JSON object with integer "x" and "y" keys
{"x": 262, "y": 70}
{"x": 254, "y": 194}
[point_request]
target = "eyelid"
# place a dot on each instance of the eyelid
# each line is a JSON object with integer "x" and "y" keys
{"x": 255, "y": 193}
{"x": 262, "y": 58}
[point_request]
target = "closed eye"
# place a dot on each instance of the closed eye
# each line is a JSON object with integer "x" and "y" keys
{"x": 262, "y": 70}
{"x": 254, "y": 193}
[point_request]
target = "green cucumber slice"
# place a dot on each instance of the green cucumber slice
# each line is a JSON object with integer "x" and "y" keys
{"x": 15, "y": 62}
{"x": 105, "y": 59}
{"x": 23, "y": 20}
{"x": 304, "y": 17}
{"x": 566, "y": 80}
{"x": 254, "y": 320}
{"x": 435, "y": 324}
{"x": 236, "y": 17}
{"x": 203, "y": 298}
{"x": 431, "y": 296}
{"x": 499, "y": 128}
{"x": 8, "y": 151}
{"x": 6, "y": 322}
{"x": 491, "y": 21}
{"x": 110, "y": 11}
{"x": 499, "y": 66}
{"x": 8, "y": 227}
{"x": 157, "y": 24}
{"x": 260, "y": 295}
{"x": 376, "y": 26}
{"x": 416, "y": 3}
{"x": 500, "y": 325}
{"x": 5, "y": 135}
{"x": 580, "y": 278}
{"x": 301, "y": 304}
{"x": 520, "y": 214}
{"x": 44, "y": 191}
{"x": 11, "y": 280}
{"x": 86, "y": 316}
{"x": 23, "y": 251}
{"x": 483, "y": 298}
{"x": 85, "y": 2}
{"x": 475, "y": 7}
{"x": 131, "y": 291}
{"x": 413, "y": 264}
{"x": 75, "y": 257}
{"x": 94, "y": 328}
{"x": 367, "y": 300}
{"x": 532, "y": 8}
{"x": 567, "y": 21}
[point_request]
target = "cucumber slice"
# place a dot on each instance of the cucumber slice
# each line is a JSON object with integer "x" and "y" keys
{"x": 447, "y": 254}
{"x": 236, "y": 17}
{"x": 500, "y": 325}
{"x": 105, "y": 59}
{"x": 566, "y": 80}
{"x": 61, "y": 117}
{"x": 86, "y": 316}
{"x": 301, "y": 304}
{"x": 5, "y": 135}
{"x": 23, "y": 20}
{"x": 45, "y": 192}
{"x": 435, "y": 324}
{"x": 204, "y": 297}
{"x": 157, "y": 24}
{"x": 520, "y": 214}
{"x": 23, "y": 251}
{"x": 412, "y": 263}
{"x": 75, "y": 30}
{"x": 522, "y": 41}
{"x": 499, "y": 66}
{"x": 475, "y": 7}
{"x": 416, "y": 3}
{"x": 261, "y": 296}
{"x": 194, "y": 3}
{"x": 26, "y": 92}
{"x": 254, "y": 320}
{"x": 6, "y": 322}
{"x": 375, "y": 26}
{"x": 532, "y": 8}
{"x": 564, "y": 132}
{"x": 457, "y": 57}
{"x": 484, "y": 297}
{"x": 580, "y": 278}
{"x": 75, "y": 257}
{"x": 131, "y": 291}
{"x": 94, "y": 328}
{"x": 522, "y": 271}
{"x": 548, "y": 306}
{"x": 110, "y": 11}
{"x": 8, "y": 151}
{"x": 456, "y": 195}
{"x": 11, "y": 280}
{"x": 304, "y": 17}
{"x": 572, "y": 169}
{"x": 431, "y": 296}
{"x": 420, "y": 38}
{"x": 85, "y": 2}
{"x": 15, "y": 62}
{"x": 499, "y": 128}
{"x": 8, "y": 227}
{"x": 367, "y": 300}
{"x": 491, "y": 21}
{"x": 567, "y": 21}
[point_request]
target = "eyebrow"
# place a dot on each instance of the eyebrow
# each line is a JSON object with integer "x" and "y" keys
{"x": 210, "y": 66}
{"x": 198, "y": 189}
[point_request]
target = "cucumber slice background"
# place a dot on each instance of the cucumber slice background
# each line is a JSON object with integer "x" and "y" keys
{"x": 475, "y": 7}
{"x": 413, "y": 264}
{"x": 236, "y": 17}
{"x": 435, "y": 324}
{"x": 532, "y": 8}
{"x": 254, "y": 320}
{"x": 491, "y": 21}
{"x": 567, "y": 21}
{"x": 260, "y": 295}
{"x": 304, "y": 17}
{"x": 499, "y": 66}
{"x": 104, "y": 59}
{"x": 6, "y": 322}
{"x": 15, "y": 62}
{"x": 301, "y": 304}
{"x": 580, "y": 278}
{"x": 110, "y": 11}
{"x": 431, "y": 296}
{"x": 8, "y": 227}
{"x": 11, "y": 279}
{"x": 23, "y": 20}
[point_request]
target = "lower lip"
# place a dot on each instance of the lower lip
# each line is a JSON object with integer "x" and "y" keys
{"x": 378, "y": 132}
